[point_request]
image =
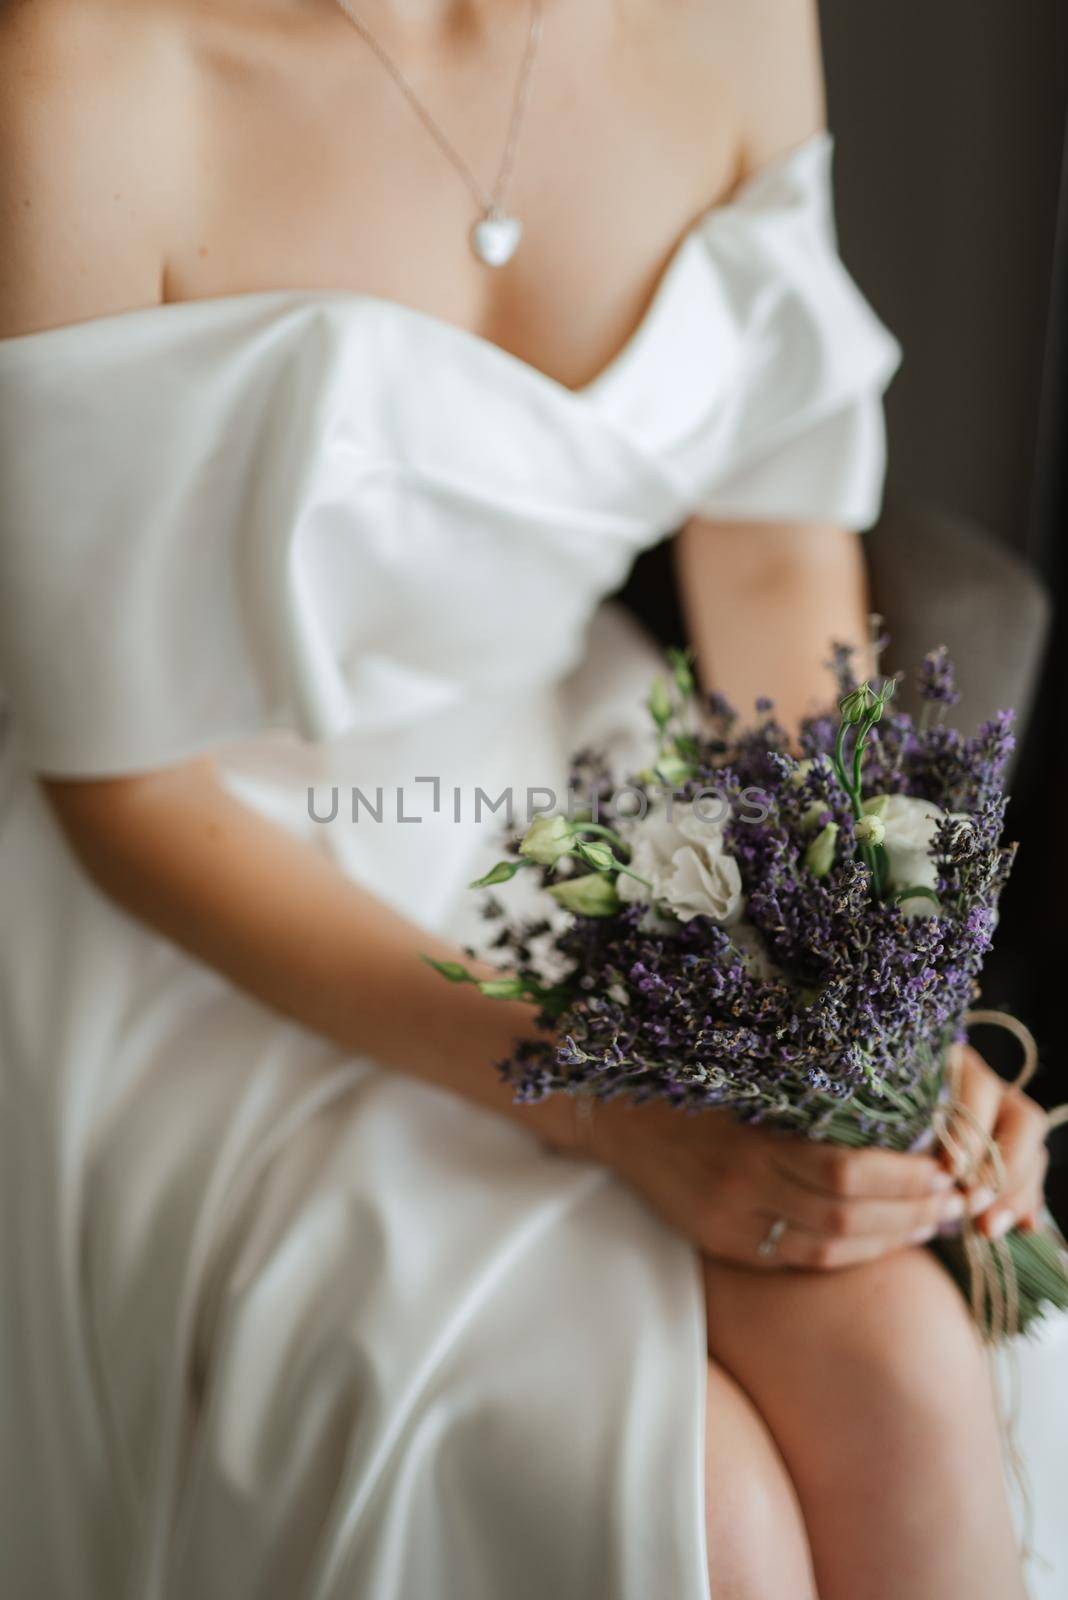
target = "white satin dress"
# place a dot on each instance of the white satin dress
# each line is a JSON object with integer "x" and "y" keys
{"x": 276, "y": 1322}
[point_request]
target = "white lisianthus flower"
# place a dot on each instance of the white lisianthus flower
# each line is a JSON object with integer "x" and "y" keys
{"x": 909, "y": 827}
{"x": 686, "y": 861}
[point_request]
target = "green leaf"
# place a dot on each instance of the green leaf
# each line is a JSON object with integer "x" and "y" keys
{"x": 452, "y": 971}
{"x": 681, "y": 663}
{"x": 503, "y": 872}
{"x": 503, "y": 988}
{"x": 659, "y": 702}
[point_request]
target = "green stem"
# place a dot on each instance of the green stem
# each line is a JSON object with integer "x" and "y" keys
{"x": 858, "y": 756}
{"x": 627, "y": 873}
{"x": 839, "y": 757}
{"x": 851, "y": 783}
{"x": 603, "y": 832}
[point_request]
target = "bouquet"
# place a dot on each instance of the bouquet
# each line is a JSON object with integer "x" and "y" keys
{"x": 792, "y": 935}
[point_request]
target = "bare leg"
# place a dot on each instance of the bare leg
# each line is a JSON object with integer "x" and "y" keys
{"x": 756, "y": 1542}
{"x": 874, "y": 1386}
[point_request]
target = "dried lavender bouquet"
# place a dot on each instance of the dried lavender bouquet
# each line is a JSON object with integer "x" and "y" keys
{"x": 795, "y": 937}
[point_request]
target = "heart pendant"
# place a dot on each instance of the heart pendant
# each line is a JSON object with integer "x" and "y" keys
{"x": 495, "y": 238}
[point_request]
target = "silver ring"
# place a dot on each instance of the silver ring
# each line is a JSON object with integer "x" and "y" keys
{"x": 770, "y": 1243}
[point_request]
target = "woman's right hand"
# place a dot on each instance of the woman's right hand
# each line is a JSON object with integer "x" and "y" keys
{"x": 724, "y": 1185}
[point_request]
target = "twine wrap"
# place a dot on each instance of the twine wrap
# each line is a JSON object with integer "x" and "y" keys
{"x": 994, "y": 1288}
{"x": 993, "y": 1284}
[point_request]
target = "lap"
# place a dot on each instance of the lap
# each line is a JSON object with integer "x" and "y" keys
{"x": 423, "y": 1356}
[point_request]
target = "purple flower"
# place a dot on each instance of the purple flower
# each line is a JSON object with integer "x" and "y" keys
{"x": 937, "y": 679}
{"x": 827, "y": 1012}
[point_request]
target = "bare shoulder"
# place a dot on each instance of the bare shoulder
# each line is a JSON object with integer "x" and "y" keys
{"x": 781, "y": 64}
{"x": 766, "y": 54}
{"x": 775, "y": 51}
{"x": 87, "y": 156}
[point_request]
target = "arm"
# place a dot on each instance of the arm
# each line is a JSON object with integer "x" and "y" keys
{"x": 764, "y": 602}
{"x": 278, "y": 919}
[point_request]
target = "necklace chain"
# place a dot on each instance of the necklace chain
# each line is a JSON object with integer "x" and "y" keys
{"x": 490, "y": 201}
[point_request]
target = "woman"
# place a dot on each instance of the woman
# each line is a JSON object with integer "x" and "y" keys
{"x": 306, "y": 487}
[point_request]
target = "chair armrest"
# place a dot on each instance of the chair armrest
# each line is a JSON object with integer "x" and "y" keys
{"x": 937, "y": 579}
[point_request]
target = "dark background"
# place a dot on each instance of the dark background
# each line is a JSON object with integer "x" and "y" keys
{"x": 952, "y": 203}
{"x": 952, "y": 197}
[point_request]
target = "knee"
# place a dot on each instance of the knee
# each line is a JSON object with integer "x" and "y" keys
{"x": 757, "y": 1545}
{"x": 908, "y": 1337}
{"x": 908, "y": 1310}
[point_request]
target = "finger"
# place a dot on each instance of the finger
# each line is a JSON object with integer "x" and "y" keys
{"x": 858, "y": 1174}
{"x": 1032, "y": 1215}
{"x": 832, "y": 1255}
{"x": 1020, "y": 1135}
{"x": 979, "y": 1093}
{"x": 771, "y": 1242}
{"x": 1021, "y": 1201}
{"x": 832, "y": 1216}
{"x": 1013, "y": 1210}
{"x": 747, "y": 1241}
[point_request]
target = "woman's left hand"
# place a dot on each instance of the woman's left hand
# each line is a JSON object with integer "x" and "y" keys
{"x": 1017, "y": 1125}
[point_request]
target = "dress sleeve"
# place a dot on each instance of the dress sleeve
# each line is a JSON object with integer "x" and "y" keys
{"x": 143, "y": 481}
{"x": 780, "y": 364}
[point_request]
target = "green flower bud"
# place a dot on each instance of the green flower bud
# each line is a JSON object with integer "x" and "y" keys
{"x": 591, "y": 896}
{"x": 547, "y": 839}
{"x": 660, "y": 707}
{"x": 801, "y": 771}
{"x": 596, "y": 855}
{"x": 819, "y": 857}
{"x": 673, "y": 770}
{"x": 813, "y": 814}
{"x": 876, "y": 805}
{"x": 869, "y": 829}
{"x": 683, "y": 671}
{"x": 856, "y": 706}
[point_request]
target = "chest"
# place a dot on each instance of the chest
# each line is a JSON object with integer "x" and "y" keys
{"x": 310, "y": 168}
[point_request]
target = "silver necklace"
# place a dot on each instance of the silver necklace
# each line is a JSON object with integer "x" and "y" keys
{"x": 495, "y": 236}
